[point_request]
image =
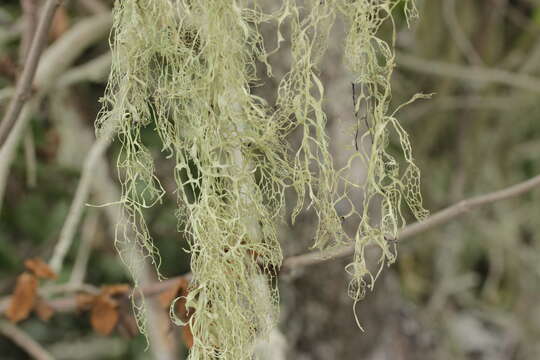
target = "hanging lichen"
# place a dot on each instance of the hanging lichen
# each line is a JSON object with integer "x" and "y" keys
{"x": 185, "y": 69}
{"x": 371, "y": 60}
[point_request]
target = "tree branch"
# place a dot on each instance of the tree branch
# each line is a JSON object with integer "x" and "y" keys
{"x": 24, "y": 84}
{"x": 24, "y": 341}
{"x": 471, "y": 74}
{"x": 69, "y": 304}
{"x": 434, "y": 220}
{"x": 77, "y": 205}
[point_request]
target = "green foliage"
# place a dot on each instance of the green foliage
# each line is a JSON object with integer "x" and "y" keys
{"x": 185, "y": 69}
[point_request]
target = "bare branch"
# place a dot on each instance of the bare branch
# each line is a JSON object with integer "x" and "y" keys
{"x": 30, "y": 19}
{"x": 95, "y": 6}
{"x": 472, "y": 74}
{"x": 24, "y": 84}
{"x": 77, "y": 205}
{"x": 22, "y": 339}
{"x": 454, "y": 27}
{"x": 434, "y": 220}
{"x": 89, "y": 229}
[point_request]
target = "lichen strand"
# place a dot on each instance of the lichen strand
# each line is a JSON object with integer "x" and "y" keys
{"x": 300, "y": 105}
{"x": 185, "y": 68}
{"x": 371, "y": 60}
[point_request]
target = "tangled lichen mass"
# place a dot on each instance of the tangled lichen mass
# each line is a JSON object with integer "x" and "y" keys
{"x": 185, "y": 69}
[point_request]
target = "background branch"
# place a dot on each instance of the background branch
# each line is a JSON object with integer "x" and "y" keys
{"x": 438, "y": 218}
{"x": 24, "y": 84}
{"x": 472, "y": 74}
{"x": 22, "y": 339}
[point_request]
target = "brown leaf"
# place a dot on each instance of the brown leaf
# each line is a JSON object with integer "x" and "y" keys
{"x": 166, "y": 298}
{"x": 23, "y": 299}
{"x": 85, "y": 301}
{"x": 187, "y": 336}
{"x": 43, "y": 310}
{"x": 104, "y": 315}
{"x": 113, "y": 290}
{"x": 179, "y": 289}
{"x": 40, "y": 268}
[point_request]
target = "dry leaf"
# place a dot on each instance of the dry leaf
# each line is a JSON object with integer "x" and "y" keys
{"x": 40, "y": 268}
{"x": 187, "y": 336}
{"x": 85, "y": 301}
{"x": 104, "y": 315}
{"x": 175, "y": 290}
{"x": 23, "y": 299}
{"x": 43, "y": 310}
{"x": 103, "y": 308}
{"x": 179, "y": 288}
{"x": 113, "y": 290}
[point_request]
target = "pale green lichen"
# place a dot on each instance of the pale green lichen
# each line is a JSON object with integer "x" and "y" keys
{"x": 186, "y": 68}
{"x": 371, "y": 60}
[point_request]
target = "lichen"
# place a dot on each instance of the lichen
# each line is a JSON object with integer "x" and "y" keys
{"x": 186, "y": 69}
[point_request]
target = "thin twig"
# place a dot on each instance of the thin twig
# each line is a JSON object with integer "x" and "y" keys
{"x": 472, "y": 74}
{"x": 89, "y": 230}
{"x": 30, "y": 15}
{"x": 24, "y": 341}
{"x": 454, "y": 27}
{"x": 77, "y": 205}
{"x": 30, "y": 159}
{"x": 94, "y": 6}
{"x": 24, "y": 84}
{"x": 432, "y": 221}
{"x": 30, "y": 19}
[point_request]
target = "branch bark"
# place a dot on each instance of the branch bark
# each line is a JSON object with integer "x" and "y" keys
{"x": 77, "y": 205}
{"x": 411, "y": 230}
{"x": 24, "y": 341}
{"x": 471, "y": 74}
{"x": 24, "y": 84}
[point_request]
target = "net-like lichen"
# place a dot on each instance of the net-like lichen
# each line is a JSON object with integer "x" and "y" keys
{"x": 186, "y": 69}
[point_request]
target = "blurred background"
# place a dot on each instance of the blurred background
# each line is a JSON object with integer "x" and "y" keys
{"x": 469, "y": 289}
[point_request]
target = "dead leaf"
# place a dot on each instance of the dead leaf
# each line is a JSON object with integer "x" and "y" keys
{"x": 23, "y": 299}
{"x": 43, "y": 310}
{"x": 104, "y": 315}
{"x": 166, "y": 298}
{"x": 85, "y": 301}
{"x": 179, "y": 289}
{"x": 103, "y": 307}
{"x": 113, "y": 290}
{"x": 187, "y": 336}
{"x": 40, "y": 268}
